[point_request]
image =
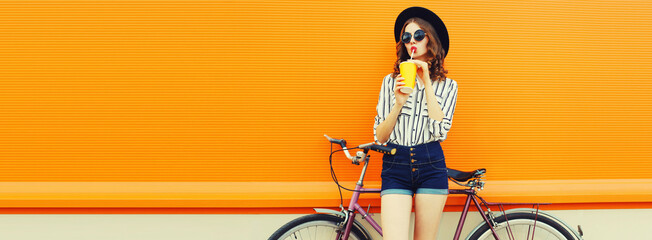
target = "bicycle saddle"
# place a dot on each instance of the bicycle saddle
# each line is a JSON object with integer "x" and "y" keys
{"x": 460, "y": 176}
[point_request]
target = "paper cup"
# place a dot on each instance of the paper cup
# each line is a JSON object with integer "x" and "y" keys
{"x": 409, "y": 72}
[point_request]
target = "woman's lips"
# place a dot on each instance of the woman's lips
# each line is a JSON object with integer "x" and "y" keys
{"x": 413, "y": 49}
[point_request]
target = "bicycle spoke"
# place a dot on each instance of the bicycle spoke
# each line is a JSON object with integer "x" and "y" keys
{"x": 317, "y": 232}
{"x": 300, "y": 235}
{"x": 503, "y": 236}
{"x": 522, "y": 229}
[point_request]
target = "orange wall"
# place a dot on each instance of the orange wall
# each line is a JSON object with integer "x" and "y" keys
{"x": 243, "y": 91}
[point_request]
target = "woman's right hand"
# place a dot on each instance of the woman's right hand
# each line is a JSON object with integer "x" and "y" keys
{"x": 401, "y": 97}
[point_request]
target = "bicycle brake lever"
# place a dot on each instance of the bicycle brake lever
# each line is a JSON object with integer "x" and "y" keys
{"x": 366, "y": 145}
{"x": 359, "y": 157}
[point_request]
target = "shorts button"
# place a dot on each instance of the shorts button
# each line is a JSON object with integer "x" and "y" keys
{"x": 411, "y": 149}
{"x": 414, "y": 169}
{"x": 413, "y": 160}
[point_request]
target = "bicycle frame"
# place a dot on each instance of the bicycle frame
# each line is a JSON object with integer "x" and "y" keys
{"x": 354, "y": 207}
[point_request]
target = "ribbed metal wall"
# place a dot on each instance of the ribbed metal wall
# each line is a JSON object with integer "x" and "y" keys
{"x": 244, "y": 90}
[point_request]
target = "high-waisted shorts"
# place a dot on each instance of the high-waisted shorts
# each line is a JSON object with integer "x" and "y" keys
{"x": 416, "y": 169}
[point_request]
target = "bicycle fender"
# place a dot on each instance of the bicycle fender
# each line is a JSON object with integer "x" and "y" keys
{"x": 530, "y": 210}
{"x": 329, "y": 211}
{"x": 560, "y": 221}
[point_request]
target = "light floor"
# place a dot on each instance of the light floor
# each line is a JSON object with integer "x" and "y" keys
{"x": 597, "y": 224}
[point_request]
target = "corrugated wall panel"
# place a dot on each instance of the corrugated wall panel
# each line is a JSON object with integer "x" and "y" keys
{"x": 244, "y": 90}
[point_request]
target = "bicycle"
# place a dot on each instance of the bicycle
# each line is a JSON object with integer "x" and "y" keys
{"x": 507, "y": 224}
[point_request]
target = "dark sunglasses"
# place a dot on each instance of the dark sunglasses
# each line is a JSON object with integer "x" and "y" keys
{"x": 418, "y": 35}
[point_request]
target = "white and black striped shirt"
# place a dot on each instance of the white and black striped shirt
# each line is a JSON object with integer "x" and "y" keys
{"x": 413, "y": 126}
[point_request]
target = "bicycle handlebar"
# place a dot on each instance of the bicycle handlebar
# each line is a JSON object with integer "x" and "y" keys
{"x": 379, "y": 148}
{"x": 369, "y": 146}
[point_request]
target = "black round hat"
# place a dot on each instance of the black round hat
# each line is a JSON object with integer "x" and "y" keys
{"x": 429, "y": 17}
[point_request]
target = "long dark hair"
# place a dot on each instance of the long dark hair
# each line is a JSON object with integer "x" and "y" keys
{"x": 434, "y": 55}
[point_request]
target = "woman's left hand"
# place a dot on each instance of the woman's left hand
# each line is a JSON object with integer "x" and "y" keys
{"x": 424, "y": 77}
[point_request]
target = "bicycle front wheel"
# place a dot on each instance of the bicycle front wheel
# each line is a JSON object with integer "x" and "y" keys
{"x": 317, "y": 227}
{"x": 522, "y": 226}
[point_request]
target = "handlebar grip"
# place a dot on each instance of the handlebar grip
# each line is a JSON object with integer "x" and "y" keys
{"x": 383, "y": 149}
{"x": 341, "y": 142}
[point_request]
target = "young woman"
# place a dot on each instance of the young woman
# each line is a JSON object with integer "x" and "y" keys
{"x": 415, "y": 124}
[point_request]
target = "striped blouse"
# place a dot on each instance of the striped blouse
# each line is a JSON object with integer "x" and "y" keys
{"x": 413, "y": 126}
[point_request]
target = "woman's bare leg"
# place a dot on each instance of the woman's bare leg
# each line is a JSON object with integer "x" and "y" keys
{"x": 396, "y": 210}
{"x": 428, "y": 211}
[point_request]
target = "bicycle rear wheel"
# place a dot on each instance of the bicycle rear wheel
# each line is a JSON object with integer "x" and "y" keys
{"x": 522, "y": 226}
{"x": 317, "y": 227}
